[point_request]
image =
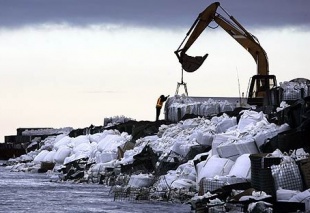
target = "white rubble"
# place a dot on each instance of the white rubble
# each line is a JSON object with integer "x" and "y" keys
{"x": 228, "y": 160}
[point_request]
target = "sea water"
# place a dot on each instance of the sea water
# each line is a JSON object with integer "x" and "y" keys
{"x": 35, "y": 192}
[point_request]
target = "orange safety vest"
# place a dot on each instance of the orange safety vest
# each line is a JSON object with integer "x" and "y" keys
{"x": 159, "y": 103}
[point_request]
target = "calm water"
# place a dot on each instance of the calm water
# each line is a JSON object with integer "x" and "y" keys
{"x": 28, "y": 192}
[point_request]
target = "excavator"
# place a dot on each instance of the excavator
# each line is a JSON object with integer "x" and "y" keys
{"x": 261, "y": 82}
{"x": 262, "y": 86}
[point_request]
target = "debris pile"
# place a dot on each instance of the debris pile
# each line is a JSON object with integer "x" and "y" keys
{"x": 206, "y": 162}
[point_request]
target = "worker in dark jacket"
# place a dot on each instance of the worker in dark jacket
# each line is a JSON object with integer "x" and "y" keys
{"x": 159, "y": 105}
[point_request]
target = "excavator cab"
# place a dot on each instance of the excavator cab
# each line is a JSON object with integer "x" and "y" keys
{"x": 258, "y": 88}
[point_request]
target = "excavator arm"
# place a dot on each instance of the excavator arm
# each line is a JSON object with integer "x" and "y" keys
{"x": 261, "y": 82}
{"x": 189, "y": 63}
{"x": 248, "y": 41}
{"x": 232, "y": 27}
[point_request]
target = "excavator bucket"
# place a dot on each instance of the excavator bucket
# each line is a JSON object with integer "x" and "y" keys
{"x": 190, "y": 63}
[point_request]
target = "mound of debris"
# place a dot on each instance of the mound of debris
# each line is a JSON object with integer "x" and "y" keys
{"x": 222, "y": 163}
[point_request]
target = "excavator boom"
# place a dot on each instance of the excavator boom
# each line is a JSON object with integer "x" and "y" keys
{"x": 261, "y": 82}
{"x": 247, "y": 41}
{"x": 200, "y": 24}
{"x": 189, "y": 63}
{"x": 233, "y": 28}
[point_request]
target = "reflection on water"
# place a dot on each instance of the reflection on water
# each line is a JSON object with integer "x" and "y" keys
{"x": 28, "y": 192}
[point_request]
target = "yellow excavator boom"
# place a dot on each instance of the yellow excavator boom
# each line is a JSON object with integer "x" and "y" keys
{"x": 233, "y": 28}
{"x": 261, "y": 82}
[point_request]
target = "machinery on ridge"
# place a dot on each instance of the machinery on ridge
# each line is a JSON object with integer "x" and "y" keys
{"x": 259, "y": 83}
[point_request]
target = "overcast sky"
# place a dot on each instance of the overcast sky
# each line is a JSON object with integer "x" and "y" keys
{"x": 160, "y": 13}
{"x": 74, "y": 62}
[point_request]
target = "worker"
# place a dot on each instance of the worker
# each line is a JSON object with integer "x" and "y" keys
{"x": 159, "y": 105}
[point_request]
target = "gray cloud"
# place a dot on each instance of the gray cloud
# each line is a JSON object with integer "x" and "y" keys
{"x": 150, "y": 13}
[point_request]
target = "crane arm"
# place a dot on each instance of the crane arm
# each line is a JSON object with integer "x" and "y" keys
{"x": 247, "y": 40}
{"x": 233, "y": 28}
{"x": 189, "y": 63}
{"x": 199, "y": 25}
